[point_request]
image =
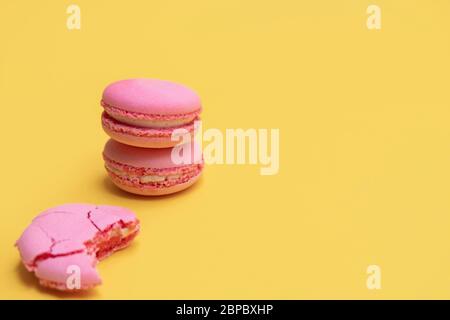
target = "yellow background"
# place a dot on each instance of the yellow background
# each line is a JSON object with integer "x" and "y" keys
{"x": 364, "y": 143}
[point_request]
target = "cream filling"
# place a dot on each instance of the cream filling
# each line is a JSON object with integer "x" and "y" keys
{"x": 152, "y": 123}
{"x": 121, "y": 232}
{"x": 146, "y": 178}
{"x": 125, "y": 232}
{"x": 116, "y": 232}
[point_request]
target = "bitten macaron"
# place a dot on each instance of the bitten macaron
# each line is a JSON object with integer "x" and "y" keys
{"x": 63, "y": 245}
{"x": 153, "y": 172}
{"x": 145, "y": 112}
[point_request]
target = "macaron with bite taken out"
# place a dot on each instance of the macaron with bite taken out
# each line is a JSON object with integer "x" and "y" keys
{"x": 63, "y": 245}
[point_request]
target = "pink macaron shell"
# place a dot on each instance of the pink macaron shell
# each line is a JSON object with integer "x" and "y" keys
{"x": 151, "y": 96}
{"x": 105, "y": 216}
{"x": 64, "y": 247}
{"x": 117, "y": 126}
{"x": 58, "y": 270}
{"x": 70, "y": 207}
{"x": 84, "y": 220}
{"x": 143, "y": 137}
{"x": 162, "y": 119}
{"x": 32, "y": 243}
{"x": 139, "y": 190}
{"x": 142, "y": 142}
{"x": 67, "y": 225}
{"x": 150, "y": 158}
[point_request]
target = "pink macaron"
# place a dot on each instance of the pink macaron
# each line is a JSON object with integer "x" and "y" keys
{"x": 145, "y": 112}
{"x": 63, "y": 245}
{"x": 153, "y": 172}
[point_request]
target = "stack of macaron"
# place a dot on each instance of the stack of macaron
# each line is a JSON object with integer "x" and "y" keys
{"x": 151, "y": 122}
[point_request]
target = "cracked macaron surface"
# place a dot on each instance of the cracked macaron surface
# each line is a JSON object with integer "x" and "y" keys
{"x": 74, "y": 235}
{"x": 151, "y": 171}
{"x": 144, "y": 112}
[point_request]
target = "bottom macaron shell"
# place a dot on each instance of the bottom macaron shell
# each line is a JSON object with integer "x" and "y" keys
{"x": 145, "y": 137}
{"x": 143, "y": 142}
{"x": 154, "y": 191}
{"x": 63, "y": 286}
{"x": 55, "y": 273}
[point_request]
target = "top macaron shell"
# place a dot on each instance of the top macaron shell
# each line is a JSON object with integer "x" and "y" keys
{"x": 151, "y": 97}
